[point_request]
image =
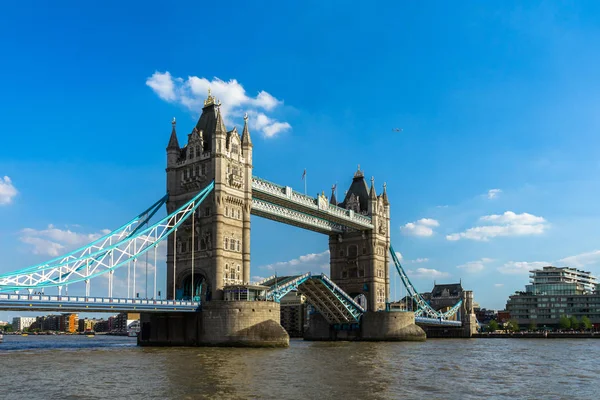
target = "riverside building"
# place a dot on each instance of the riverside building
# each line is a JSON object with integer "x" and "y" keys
{"x": 554, "y": 292}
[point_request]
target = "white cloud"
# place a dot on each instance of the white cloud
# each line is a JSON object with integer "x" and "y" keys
{"x": 163, "y": 85}
{"x": 259, "y": 121}
{"x": 423, "y": 227}
{"x": 581, "y": 260}
{"x": 192, "y": 92}
{"x": 520, "y": 267}
{"x": 313, "y": 262}
{"x": 419, "y": 260}
{"x": 426, "y": 273}
{"x": 498, "y": 284}
{"x": 507, "y": 224}
{"x": 475, "y": 266}
{"x": 493, "y": 193}
{"x": 54, "y": 241}
{"x": 7, "y": 191}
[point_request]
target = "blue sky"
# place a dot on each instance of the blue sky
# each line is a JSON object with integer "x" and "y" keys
{"x": 495, "y": 171}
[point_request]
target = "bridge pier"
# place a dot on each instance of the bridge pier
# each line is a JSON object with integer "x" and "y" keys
{"x": 220, "y": 323}
{"x": 375, "y": 326}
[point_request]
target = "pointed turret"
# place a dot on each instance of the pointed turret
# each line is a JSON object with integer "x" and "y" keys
{"x": 246, "y": 133}
{"x": 220, "y": 125}
{"x": 372, "y": 193}
{"x": 372, "y": 198}
{"x": 333, "y": 200}
{"x": 173, "y": 142}
{"x": 385, "y": 196}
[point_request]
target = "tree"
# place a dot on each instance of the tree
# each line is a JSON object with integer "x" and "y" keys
{"x": 564, "y": 322}
{"x": 586, "y": 323}
{"x": 512, "y": 325}
{"x": 533, "y": 326}
{"x": 574, "y": 323}
{"x": 492, "y": 326}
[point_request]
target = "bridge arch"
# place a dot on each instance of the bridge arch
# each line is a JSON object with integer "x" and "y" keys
{"x": 201, "y": 290}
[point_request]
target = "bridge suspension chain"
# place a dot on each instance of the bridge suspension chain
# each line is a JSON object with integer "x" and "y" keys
{"x": 423, "y": 307}
{"x": 115, "y": 236}
{"x": 105, "y": 254}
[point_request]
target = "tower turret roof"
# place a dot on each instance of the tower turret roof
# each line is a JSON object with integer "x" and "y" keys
{"x": 359, "y": 189}
{"x": 173, "y": 142}
{"x": 246, "y": 133}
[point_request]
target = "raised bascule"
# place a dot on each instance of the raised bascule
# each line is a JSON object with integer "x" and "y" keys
{"x": 211, "y": 195}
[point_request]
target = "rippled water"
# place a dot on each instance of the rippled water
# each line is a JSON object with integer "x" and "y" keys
{"x": 77, "y": 367}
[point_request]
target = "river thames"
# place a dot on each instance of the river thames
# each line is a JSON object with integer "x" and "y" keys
{"x": 77, "y": 367}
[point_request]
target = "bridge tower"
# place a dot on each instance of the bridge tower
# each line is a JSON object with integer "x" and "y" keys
{"x": 360, "y": 260}
{"x": 220, "y": 248}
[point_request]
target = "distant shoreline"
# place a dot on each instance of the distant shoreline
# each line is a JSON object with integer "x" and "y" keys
{"x": 535, "y": 335}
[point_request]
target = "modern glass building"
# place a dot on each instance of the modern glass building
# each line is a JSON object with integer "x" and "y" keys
{"x": 555, "y": 292}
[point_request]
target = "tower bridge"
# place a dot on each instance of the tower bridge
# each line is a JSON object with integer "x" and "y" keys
{"x": 211, "y": 195}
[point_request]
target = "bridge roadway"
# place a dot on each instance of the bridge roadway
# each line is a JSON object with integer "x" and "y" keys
{"x": 331, "y": 301}
{"x": 37, "y": 302}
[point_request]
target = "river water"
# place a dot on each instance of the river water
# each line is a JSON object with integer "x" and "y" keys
{"x": 77, "y": 367}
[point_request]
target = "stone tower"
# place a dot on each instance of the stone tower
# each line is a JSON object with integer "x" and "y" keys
{"x": 221, "y": 225}
{"x": 360, "y": 260}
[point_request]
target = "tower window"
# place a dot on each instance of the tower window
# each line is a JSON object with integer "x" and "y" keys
{"x": 226, "y": 243}
{"x": 191, "y": 153}
{"x": 197, "y": 151}
{"x": 238, "y": 245}
{"x": 203, "y": 169}
{"x": 207, "y": 211}
{"x": 234, "y": 148}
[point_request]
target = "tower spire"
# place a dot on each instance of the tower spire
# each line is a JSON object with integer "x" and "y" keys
{"x": 372, "y": 193}
{"x": 173, "y": 142}
{"x": 246, "y": 133}
{"x": 333, "y": 200}
{"x": 385, "y": 197}
{"x": 210, "y": 100}
{"x": 220, "y": 125}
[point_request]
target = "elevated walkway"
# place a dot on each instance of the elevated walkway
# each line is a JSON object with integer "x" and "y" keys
{"x": 27, "y": 302}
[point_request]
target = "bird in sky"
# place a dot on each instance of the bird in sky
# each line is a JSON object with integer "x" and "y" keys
{"x": 397, "y": 129}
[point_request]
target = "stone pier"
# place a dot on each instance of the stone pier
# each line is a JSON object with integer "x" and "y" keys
{"x": 381, "y": 326}
{"x": 220, "y": 323}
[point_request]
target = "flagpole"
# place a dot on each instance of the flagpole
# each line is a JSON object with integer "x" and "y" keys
{"x": 305, "y": 181}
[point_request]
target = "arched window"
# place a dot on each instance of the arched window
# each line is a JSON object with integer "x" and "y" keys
{"x": 227, "y": 211}
{"x": 352, "y": 250}
{"x": 197, "y": 151}
{"x": 226, "y": 245}
{"x": 238, "y": 245}
{"x": 191, "y": 152}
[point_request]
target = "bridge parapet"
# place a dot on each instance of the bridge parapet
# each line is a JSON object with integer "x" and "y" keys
{"x": 319, "y": 205}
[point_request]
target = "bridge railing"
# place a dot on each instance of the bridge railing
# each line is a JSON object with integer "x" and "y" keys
{"x": 311, "y": 202}
{"x": 95, "y": 300}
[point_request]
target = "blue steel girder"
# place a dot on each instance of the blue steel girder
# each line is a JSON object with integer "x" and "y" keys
{"x": 280, "y": 289}
{"x": 335, "y": 306}
{"x": 26, "y": 302}
{"x": 319, "y": 207}
{"x": 104, "y": 258}
{"x": 423, "y": 307}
